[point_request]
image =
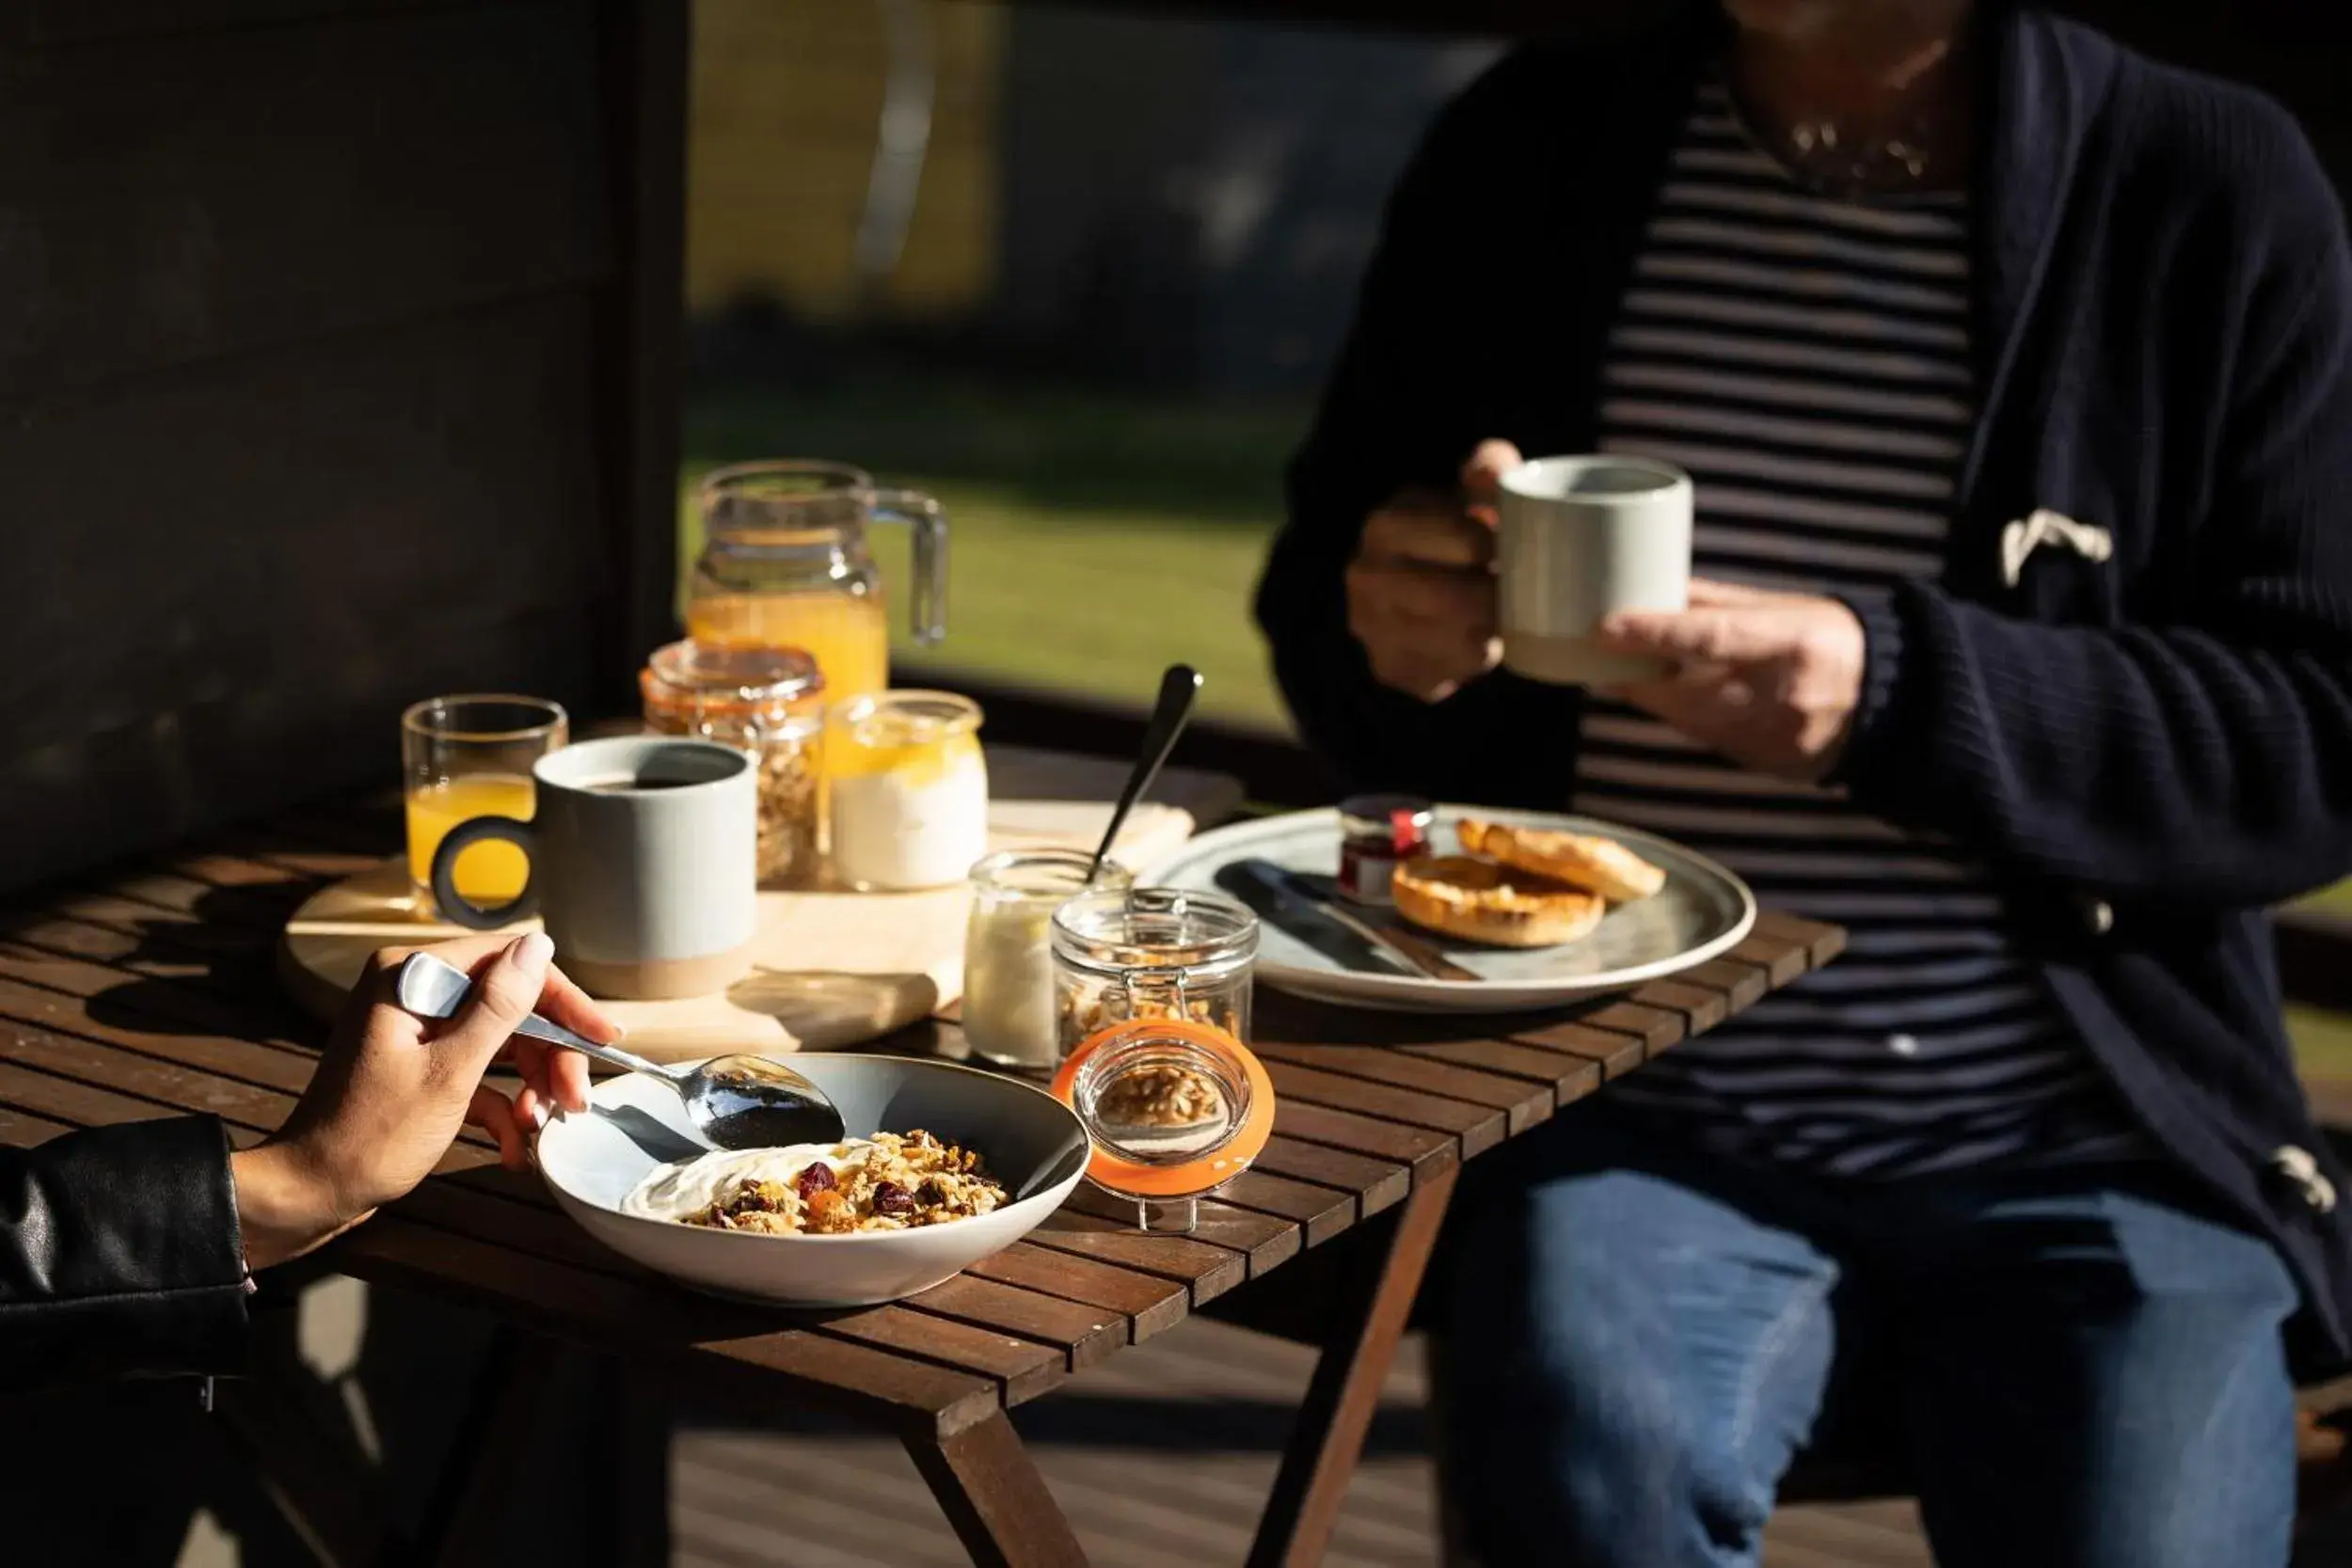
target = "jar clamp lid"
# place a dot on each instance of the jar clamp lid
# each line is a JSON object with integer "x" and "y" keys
{"x": 1176, "y": 1109}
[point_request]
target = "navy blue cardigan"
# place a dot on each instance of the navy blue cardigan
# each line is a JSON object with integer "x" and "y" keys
{"x": 2148, "y": 749}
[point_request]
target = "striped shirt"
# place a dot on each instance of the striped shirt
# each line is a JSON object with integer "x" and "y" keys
{"x": 1806, "y": 358}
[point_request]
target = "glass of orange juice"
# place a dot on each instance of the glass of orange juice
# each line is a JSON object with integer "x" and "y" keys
{"x": 471, "y": 756}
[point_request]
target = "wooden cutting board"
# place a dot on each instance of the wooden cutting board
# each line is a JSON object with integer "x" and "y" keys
{"x": 828, "y": 969}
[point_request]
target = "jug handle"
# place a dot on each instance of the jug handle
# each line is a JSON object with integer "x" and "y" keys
{"x": 927, "y": 606}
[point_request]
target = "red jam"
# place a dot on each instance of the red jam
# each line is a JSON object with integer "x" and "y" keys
{"x": 1378, "y": 834}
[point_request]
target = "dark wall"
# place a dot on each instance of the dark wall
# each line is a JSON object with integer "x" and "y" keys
{"x": 320, "y": 352}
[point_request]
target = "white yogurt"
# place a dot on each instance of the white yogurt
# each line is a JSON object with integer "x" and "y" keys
{"x": 678, "y": 1190}
{"x": 920, "y": 825}
{"x": 1009, "y": 985}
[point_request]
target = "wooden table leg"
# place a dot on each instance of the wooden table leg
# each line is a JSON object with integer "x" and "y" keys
{"x": 299, "y": 1446}
{"x": 995, "y": 1499}
{"x": 1346, "y": 1392}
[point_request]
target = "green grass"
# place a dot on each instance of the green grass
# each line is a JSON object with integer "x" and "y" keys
{"x": 1093, "y": 540}
{"x": 2335, "y": 900}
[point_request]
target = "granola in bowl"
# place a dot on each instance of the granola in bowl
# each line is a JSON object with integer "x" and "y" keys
{"x": 890, "y": 1181}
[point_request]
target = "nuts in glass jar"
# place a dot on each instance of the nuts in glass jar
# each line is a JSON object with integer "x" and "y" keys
{"x": 764, "y": 701}
{"x": 1160, "y": 1094}
{"x": 1082, "y": 1008}
{"x": 788, "y": 813}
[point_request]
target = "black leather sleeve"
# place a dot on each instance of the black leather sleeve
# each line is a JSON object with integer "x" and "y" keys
{"x": 119, "y": 1255}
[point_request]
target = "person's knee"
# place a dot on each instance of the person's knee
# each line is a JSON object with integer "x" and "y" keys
{"x": 1597, "y": 1464}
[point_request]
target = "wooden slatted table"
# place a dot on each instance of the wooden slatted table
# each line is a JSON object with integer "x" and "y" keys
{"x": 150, "y": 993}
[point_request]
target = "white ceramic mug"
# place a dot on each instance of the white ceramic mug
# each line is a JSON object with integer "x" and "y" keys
{"x": 1582, "y": 538}
{"x": 643, "y": 863}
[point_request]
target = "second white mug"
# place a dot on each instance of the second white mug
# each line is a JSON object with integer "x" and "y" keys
{"x": 1582, "y": 538}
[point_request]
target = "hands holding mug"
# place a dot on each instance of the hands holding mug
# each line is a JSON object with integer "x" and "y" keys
{"x": 1770, "y": 680}
{"x": 1587, "y": 579}
{"x": 1421, "y": 591}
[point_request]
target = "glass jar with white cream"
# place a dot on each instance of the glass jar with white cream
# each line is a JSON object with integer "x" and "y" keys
{"x": 908, "y": 788}
{"x": 1009, "y": 950}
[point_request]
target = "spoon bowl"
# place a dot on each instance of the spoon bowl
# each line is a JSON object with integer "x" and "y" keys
{"x": 732, "y": 1101}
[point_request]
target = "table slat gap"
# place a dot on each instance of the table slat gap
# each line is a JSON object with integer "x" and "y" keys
{"x": 1781, "y": 961}
{"x": 1206, "y": 1272}
{"x": 1318, "y": 1075}
{"x": 1022, "y": 1369}
{"x": 1403, "y": 1067}
{"x": 171, "y": 1001}
{"x": 1568, "y": 1075}
{"x": 1083, "y": 1334}
{"x": 1612, "y": 1052}
{"x": 1744, "y": 985}
{"x": 147, "y": 955}
{"x": 259, "y": 1063}
{"x": 1701, "y": 1007}
{"x": 1150, "y": 1303}
{"x": 1656, "y": 1027}
{"x": 1263, "y": 1240}
{"x": 1320, "y": 1212}
{"x": 1374, "y": 1185}
{"x": 1422, "y": 1151}
{"x": 1821, "y": 942}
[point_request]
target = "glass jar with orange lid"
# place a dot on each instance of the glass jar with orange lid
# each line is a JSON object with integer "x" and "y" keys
{"x": 785, "y": 564}
{"x": 1175, "y": 1108}
{"x": 764, "y": 701}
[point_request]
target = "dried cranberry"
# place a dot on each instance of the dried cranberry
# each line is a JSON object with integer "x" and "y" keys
{"x": 931, "y": 1194}
{"x": 817, "y": 1177}
{"x": 891, "y": 1199}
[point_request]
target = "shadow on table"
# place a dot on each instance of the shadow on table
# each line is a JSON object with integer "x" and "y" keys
{"x": 209, "y": 969}
{"x": 822, "y": 1009}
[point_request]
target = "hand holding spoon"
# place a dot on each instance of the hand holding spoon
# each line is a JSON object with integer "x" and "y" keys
{"x": 733, "y": 1102}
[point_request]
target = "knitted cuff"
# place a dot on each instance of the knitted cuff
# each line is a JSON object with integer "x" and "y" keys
{"x": 1876, "y": 713}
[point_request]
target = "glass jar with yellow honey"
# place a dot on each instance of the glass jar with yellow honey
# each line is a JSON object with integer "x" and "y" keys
{"x": 909, "y": 789}
{"x": 785, "y": 565}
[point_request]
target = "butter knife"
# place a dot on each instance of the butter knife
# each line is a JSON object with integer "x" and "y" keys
{"x": 1295, "y": 904}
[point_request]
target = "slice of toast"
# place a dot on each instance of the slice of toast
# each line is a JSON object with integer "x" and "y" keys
{"x": 1479, "y": 901}
{"x": 1581, "y": 860}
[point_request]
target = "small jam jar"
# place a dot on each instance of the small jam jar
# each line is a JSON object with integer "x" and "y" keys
{"x": 1176, "y": 1108}
{"x": 1378, "y": 834}
{"x": 764, "y": 701}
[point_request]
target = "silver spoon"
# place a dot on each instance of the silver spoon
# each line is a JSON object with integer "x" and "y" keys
{"x": 1179, "y": 685}
{"x": 734, "y": 1102}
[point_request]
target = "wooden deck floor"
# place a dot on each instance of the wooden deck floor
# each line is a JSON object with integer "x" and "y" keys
{"x": 1162, "y": 1457}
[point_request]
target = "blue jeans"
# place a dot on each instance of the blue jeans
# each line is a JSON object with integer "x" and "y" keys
{"x": 2079, "y": 1367}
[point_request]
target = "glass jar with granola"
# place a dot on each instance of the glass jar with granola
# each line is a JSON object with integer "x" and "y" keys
{"x": 764, "y": 701}
{"x": 1175, "y": 1110}
{"x": 1154, "y": 952}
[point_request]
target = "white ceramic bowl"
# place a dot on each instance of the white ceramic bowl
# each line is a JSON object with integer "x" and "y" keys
{"x": 1025, "y": 1138}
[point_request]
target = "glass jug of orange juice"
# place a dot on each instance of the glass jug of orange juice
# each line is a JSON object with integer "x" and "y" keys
{"x": 785, "y": 564}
